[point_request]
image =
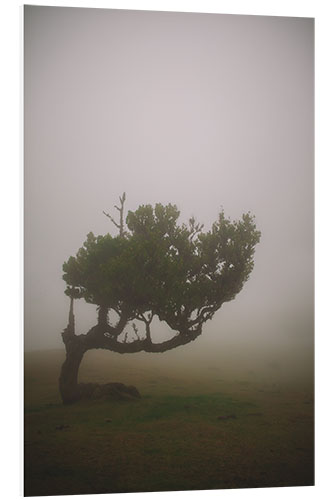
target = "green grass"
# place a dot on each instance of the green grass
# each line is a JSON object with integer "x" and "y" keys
{"x": 170, "y": 439}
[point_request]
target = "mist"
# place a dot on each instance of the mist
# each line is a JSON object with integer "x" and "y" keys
{"x": 202, "y": 111}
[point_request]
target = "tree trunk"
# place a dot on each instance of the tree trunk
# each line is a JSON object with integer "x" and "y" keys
{"x": 68, "y": 381}
{"x": 105, "y": 336}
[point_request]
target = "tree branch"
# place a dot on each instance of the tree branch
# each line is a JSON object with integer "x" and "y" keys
{"x": 141, "y": 317}
{"x": 136, "y": 331}
{"x": 120, "y": 209}
{"x": 93, "y": 340}
{"x": 204, "y": 314}
{"x": 69, "y": 332}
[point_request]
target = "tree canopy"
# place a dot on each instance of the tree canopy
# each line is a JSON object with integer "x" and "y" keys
{"x": 157, "y": 267}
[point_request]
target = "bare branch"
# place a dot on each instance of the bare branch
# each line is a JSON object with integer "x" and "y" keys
{"x": 183, "y": 337}
{"x": 141, "y": 317}
{"x": 120, "y": 209}
{"x": 148, "y": 334}
{"x": 136, "y": 331}
{"x": 112, "y": 219}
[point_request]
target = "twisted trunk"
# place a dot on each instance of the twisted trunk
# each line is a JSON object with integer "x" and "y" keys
{"x": 68, "y": 381}
{"x": 105, "y": 336}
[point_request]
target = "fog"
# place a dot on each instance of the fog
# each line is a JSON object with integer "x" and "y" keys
{"x": 203, "y": 111}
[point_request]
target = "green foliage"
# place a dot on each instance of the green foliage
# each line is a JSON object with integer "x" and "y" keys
{"x": 175, "y": 271}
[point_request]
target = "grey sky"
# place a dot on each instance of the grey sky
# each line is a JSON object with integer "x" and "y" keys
{"x": 199, "y": 110}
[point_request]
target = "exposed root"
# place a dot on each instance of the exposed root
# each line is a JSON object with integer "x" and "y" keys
{"x": 113, "y": 390}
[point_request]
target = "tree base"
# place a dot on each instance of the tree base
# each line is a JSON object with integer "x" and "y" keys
{"x": 113, "y": 390}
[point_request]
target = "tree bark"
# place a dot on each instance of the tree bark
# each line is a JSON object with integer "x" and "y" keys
{"x": 68, "y": 381}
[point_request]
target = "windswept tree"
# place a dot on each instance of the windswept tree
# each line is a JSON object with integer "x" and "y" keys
{"x": 155, "y": 268}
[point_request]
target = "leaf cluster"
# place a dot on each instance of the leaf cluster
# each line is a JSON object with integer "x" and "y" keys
{"x": 174, "y": 271}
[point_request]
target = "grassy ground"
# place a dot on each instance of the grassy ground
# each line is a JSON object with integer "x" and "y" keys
{"x": 195, "y": 427}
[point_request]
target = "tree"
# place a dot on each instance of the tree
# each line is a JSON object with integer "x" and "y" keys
{"x": 156, "y": 268}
